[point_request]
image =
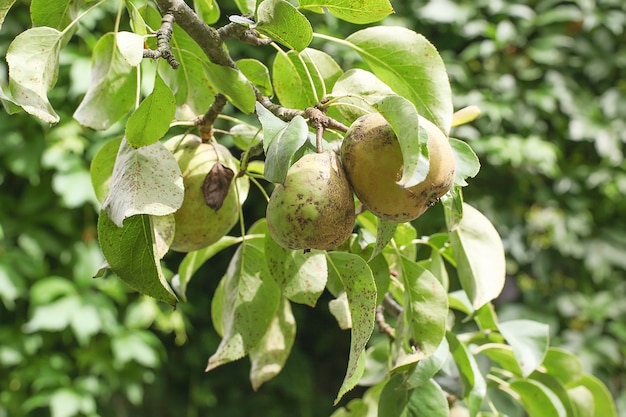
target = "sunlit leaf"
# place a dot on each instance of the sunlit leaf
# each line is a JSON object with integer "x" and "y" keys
{"x": 250, "y": 301}
{"x": 111, "y": 93}
{"x": 33, "y": 59}
{"x": 282, "y": 22}
{"x": 467, "y": 163}
{"x": 405, "y": 122}
{"x": 409, "y": 64}
{"x": 351, "y": 10}
{"x": 479, "y": 253}
{"x": 56, "y": 14}
{"x": 5, "y": 5}
{"x": 144, "y": 181}
{"x": 537, "y": 399}
{"x": 270, "y": 355}
{"x": 281, "y": 141}
{"x": 529, "y": 340}
{"x": 301, "y": 276}
{"x": 360, "y": 288}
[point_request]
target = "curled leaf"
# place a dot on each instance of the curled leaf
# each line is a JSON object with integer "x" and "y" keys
{"x": 216, "y": 185}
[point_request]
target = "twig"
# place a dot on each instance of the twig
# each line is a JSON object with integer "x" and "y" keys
{"x": 243, "y": 33}
{"x": 205, "y": 123}
{"x": 382, "y": 323}
{"x": 164, "y": 36}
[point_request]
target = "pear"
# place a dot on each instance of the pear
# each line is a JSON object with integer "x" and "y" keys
{"x": 197, "y": 224}
{"x": 314, "y": 207}
{"x": 372, "y": 158}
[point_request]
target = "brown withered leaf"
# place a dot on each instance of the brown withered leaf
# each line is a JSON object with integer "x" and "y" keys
{"x": 216, "y": 185}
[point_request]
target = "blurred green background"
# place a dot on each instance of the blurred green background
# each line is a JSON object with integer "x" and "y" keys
{"x": 550, "y": 78}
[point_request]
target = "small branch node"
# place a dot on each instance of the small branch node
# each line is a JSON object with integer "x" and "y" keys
{"x": 205, "y": 123}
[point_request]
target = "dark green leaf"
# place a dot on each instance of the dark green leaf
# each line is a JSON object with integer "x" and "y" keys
{"x": 130, "y": 253}
{"x": 282, "y": 22}
{"x": 111, "y": 94}
{"x": 151, "y": 120}
{"x": 101, "y": 168}
{"x": 351, "y": 10}
{"x": 33, "y": 59}
{"x": 384, "y": 234}
{"x": 411, "y": 66}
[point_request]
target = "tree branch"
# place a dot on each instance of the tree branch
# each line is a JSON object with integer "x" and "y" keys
{"x": 164, "y": 36}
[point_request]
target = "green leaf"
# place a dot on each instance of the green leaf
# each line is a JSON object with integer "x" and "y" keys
{"x": 282, "y": 22}
{"x": 303, "y": 79}
{"x": 101, "y": 168}
{"x": 563, "y": 365}
{"x": 5, "y": 5}
{"x": 604, "y": 404}
{"x": 358, "y": 282}
{"x": 428, "y": 368}
{"x": 130, "y": 253}
{"x": 232, "y": 84}
{"x": 409, "y": 64}
{"x": 56, "y": 14}
{"x": 425, "y": 312}
{"x": 147, "y": 180}
{"x": 301, "y": 276}
{"x": 529, "y": 340}
{"x": 270, "y": 355}
{"x": 258, "y": 74}
{"x": 393, "y": 398}
{"x": 404, "y": 121}
{"x": 151, "y": 120}
{"x": 474, "y": 384}
{"x": 428, "y": 400}
{"x": 537, "y": 399}
{"x": 111, "y": 93}
{"x": 356, "y": 91}
{"x": 130, "y": 46}
{"x": 555, "y": 386}
{"x": 502, "y": 354}
{"x": 479, "y": 254}
{"x": 250, "y": 301}
{"x": 384, "y": 233}
{"x": 33, "y": 59}
{"x": 581, "y": 400}
{"x": 467, "y": 163}
{"x": 281, "y": 145}
{"x": 208, "y": 10}
{"x": 351, "y": 10}
{"x": 194, "y": 260}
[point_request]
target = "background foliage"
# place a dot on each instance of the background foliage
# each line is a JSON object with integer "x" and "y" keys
{"x": 547, "y": 77}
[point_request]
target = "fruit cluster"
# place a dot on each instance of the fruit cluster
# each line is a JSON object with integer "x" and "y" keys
{"x": 314, "y": 207}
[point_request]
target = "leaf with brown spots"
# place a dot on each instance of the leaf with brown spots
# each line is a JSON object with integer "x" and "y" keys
{"x": 216, "y": 185}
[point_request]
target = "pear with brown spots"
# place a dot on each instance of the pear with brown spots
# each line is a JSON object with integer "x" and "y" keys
{"x": 314, "y": 207}
{"x": 197, "y": 224}
{"x": 372, "y": 158}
